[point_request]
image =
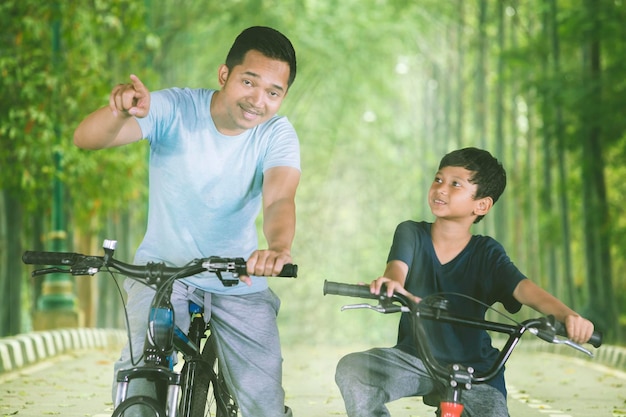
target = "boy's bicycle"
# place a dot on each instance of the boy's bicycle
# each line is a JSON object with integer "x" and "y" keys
{"x": 199, "y": 389}
{"x": 454, "y": 378}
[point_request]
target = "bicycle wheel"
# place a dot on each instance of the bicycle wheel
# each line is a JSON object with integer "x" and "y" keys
{"x": 139, "y": 404}
{"x": 209, "y": 393}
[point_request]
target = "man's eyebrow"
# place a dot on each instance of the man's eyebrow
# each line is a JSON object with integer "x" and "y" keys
{"x": 255, "y": 75}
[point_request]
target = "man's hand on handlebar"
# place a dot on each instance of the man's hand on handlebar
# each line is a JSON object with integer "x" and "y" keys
{"x": 265, "y": 262}
{"x": 579, "y": 329}
{"x": 390, "y": 287}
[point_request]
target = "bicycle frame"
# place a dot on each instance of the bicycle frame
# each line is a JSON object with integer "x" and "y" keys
{"x": 456, "y": 377}
{"x": 162, "y": 340}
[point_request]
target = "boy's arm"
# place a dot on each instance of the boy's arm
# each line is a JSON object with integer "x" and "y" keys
{"x": 528, "y": 293}
{"x": 393, "y": 279}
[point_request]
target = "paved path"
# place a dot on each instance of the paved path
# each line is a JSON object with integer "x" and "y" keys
{"x": 77, "y": 384}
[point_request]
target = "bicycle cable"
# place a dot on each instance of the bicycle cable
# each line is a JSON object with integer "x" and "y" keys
{"x": 164, "y": 290}
{"x": 126, "y": 320}
{"x": 159, "y": 294}
{"x": 477, "y": 301}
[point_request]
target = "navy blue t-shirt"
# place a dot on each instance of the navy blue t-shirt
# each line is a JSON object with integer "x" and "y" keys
{"x": 482, "y": 270}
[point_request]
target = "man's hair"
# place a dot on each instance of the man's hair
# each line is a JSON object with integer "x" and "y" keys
{"x": 267, "y": 41}
{"x": 487, "y": 172}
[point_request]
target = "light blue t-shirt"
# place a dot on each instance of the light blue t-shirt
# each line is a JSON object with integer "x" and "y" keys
{"x": 205, "y": 187}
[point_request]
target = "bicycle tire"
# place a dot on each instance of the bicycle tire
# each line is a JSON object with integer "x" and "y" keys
{"x": 210, "y": 395}
{"x": 140, "y": 401}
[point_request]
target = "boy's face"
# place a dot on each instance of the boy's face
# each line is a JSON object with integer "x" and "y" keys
{"x": 251, "y": 92}
{"x": 451, "y": 195}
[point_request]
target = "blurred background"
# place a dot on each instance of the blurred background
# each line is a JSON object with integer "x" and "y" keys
{"x": 384, "y": 89}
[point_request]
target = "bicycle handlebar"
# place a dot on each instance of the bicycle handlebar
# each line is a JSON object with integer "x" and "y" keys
{"x": 152, "y": 272}
{"x": 349, "y": 290}
{"x": 50, "y": 258}
{"x": 435, "y": 308}
{"x": 429, "y": 311}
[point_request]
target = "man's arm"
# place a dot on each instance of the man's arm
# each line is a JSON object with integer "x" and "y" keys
{"x": 115, "y": 124}
{"x": 528, "y": 293}
{"x": 279, "y": 221}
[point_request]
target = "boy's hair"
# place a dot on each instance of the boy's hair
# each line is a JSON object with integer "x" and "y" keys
{"x": 487, "y": 172}
{"x": 267, "y": 41}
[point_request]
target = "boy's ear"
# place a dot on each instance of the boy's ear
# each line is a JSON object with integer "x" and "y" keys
{"x": 483, "y": 206}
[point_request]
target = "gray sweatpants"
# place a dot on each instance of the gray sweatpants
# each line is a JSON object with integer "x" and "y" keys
{"x": 247, "y": 342}
{"x": 368, "y": 380}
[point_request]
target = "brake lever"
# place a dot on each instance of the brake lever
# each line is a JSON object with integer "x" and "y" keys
{"x": 573, "y": 345}
{"x": 227, "y": 282}
{"x": 551, "y": 337}
{"x": 234, "y": 266}
{"x": 379, "y": 308}
{"x": 54, "y": 270}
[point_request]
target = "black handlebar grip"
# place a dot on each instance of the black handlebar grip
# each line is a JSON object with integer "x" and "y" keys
{"x": 349, "y": 290}
{"x": 595, "y": 340}
{"x": 289, "y": 271}
{"x": 50, "y": 258}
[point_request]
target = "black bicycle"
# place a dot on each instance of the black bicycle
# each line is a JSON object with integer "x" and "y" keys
{"x": 199, "y": 389}
{"x": 454, "y": 378}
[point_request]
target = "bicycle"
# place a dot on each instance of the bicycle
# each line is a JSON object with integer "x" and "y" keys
{"x": 199, "y": 389}
{"x": 454, "y": 378}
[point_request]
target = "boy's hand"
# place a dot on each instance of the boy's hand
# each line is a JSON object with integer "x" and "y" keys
{"x": 391, "y": 287}
{"x": 579, "y": 329}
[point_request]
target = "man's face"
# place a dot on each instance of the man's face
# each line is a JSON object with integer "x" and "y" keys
{"x": 251, "y": 93}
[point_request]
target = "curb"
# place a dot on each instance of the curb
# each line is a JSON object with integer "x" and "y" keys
{"x": 27, "y": 349}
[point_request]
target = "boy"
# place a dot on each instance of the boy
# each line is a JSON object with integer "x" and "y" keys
{"x": 444, "y": 256}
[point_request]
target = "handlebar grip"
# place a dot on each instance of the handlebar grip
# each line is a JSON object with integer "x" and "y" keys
{"x": 595, "y": 340}
{"x": 289, "y": 271}
{"x": 350, "y": 290}
{"x": 50, "y": 258}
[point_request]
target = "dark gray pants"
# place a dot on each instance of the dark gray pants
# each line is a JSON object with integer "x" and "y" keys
{"x": 368, "y": 380}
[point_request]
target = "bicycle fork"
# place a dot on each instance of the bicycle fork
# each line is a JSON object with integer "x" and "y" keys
{"x": 158, "y": 368}
{"x": 156, "y": 374}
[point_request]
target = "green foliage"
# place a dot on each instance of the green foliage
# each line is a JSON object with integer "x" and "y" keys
{"x": 384, "y": 89}
{"x": 55, "y": 68}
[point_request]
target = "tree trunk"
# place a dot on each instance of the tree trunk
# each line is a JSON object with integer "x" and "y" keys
{"x": 547, "y": 191}
{"x": 460, "y": 83}
{"x": 500, "y": 214}
{"x": 602, "y": 308}
{"x": 566, "y": 290}
{"x": 12, "y": 269}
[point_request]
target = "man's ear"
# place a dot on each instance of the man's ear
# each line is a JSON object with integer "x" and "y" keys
{"x": 222, "y": 74}
{"x": 483, "y": 206}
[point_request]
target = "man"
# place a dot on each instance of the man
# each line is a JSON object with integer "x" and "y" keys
{"x": 216, "y": 158}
